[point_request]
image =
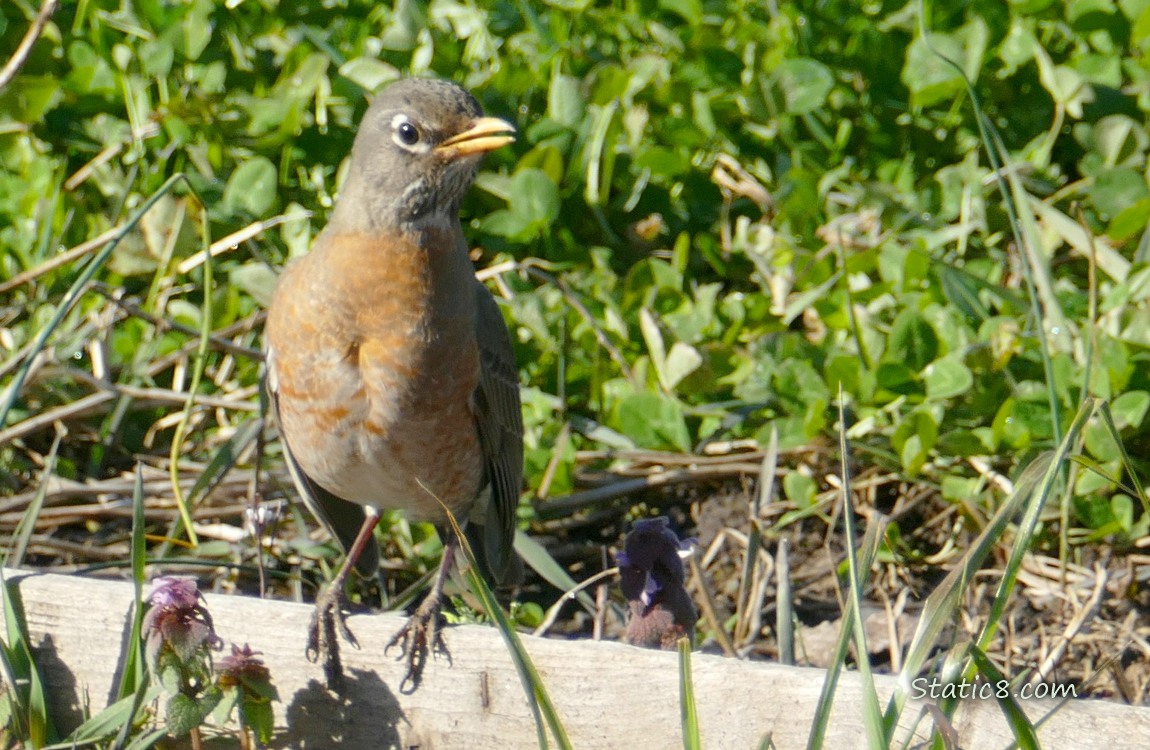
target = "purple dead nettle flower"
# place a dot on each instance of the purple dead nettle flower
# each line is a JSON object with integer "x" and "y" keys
{"x": 241, "y": 665}
{"x": 245, "y": 684}
{"x": 652, "y": 576}
{"x": 178, "y": 617}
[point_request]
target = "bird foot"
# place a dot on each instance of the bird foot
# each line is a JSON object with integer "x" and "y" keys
{"x": 418, "y": 638}
{"x": 327, "y": 620}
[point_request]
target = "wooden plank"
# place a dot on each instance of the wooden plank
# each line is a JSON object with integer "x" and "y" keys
{"x": 610, "y": 695}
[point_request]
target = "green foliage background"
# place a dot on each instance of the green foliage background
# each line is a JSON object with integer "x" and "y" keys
{"x": 651, "y": 308}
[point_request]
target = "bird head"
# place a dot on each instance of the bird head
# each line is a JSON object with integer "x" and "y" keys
{"x": 416, "y": 154}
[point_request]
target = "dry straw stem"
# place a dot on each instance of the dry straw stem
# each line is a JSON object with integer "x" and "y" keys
{"x": 24, "y": 49}
{"x": 96, "y": 403}
{"x": 640, "y": 470}
{"x": 61, "y": 259}
{"x": 232, "y": 241}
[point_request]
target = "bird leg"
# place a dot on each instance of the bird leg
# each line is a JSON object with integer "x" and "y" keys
{"x": 421, "y": 635}
{"x": 328, "y": 616}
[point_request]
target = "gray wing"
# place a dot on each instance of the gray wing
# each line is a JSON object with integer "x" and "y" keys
{"x": 499, "y": 419}
{"x": 342, "y": 518}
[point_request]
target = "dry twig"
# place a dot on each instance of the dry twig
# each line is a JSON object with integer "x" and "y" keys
{"x": 24, "y": 49}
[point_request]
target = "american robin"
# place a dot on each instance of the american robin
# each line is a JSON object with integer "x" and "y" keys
{"x": 390, "y": 366}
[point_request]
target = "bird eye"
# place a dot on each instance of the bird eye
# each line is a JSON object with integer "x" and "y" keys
{"x": 406, "y": 134}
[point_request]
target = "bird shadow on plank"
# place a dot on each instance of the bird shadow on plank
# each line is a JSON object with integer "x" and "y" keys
{"x": 366, "y": 716}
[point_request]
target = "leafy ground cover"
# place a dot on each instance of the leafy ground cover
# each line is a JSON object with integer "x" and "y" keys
{"x": 717, "y": 217}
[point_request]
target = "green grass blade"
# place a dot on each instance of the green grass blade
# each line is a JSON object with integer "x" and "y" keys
{"x": 546, "y": 717}
{"x": 26, "y": 689}
{"x": 224, "y": 459}
{"x": 688, "y": 713}
{"x": 198, "y": 366}
{"x": 1052, "y": 476}
{"x": 27, "y": 525}
{"x": 541, "y": 561}
{"x": 148, "y": 740}
{"x": 856, "y": 580}
{"x": 600, "y": 160}
{"x": 821, "y": 720}
{"x": 1039, "y": 283}
{"x": 133, "y": 676}
{"x": 940, "y": 607}
{"x": 1034, "y": 487}
{"x": 1127, "y": 464}
{"x": 1094, "y": 466}
{"x": 15, "y": 725}
{"x": 1024, "y": 732}
{"x": 13, "y": 664}
{"x": 106, "y": 723}
{"x": 859, "y": 565}
{"x": 784, "y": 605}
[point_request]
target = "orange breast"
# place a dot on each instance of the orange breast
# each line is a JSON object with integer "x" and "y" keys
{"x": 374, "y": 385}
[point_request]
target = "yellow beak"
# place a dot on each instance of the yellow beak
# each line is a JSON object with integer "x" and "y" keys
{"x": 485, "y": 134}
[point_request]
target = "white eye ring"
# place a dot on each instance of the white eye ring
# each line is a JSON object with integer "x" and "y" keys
{"x": 406, "y": 135}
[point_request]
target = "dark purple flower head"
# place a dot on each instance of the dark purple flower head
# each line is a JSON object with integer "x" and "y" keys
{"x": 652, "y": 576}
{"x": 178, "y": 619}
{"x": 650, "y": 560}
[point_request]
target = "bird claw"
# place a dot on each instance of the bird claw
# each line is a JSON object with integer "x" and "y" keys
{"x": 419, "y": 637}
{"x": 328, "y": 620}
